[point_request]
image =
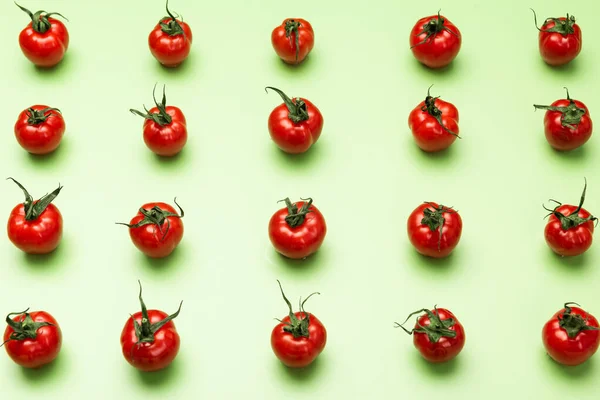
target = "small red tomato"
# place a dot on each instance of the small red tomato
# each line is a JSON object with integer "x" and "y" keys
{"x": 298, "y": 230}
{"x": 299, "y": 337}
{"x": 35, "y": 227}
{"x": 435, "y": 41}
{"x": 165, "y": 130}
{"x": 437, "y": 334}
{"x": 571, "y": 336}
{"x": 293, "y": 40}
{"x": 559, "y": 39}
{"x": 39, "y": 129}
{"x": 170, "y": 41}
{"x": 157, "y": 229}
{"x": 434, "y": 230}
{"x": 45, "y": 40}
{"x": 434, "y": 124}
{"x": 567, "y": 123}
{"x": 295, "y": 125}
{"x": 149, "y": 340}
{"x": 570, "y": 229}
{"x": 32, "y": 339}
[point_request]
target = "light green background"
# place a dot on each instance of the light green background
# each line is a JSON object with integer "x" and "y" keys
{"x": 365, "y": 175}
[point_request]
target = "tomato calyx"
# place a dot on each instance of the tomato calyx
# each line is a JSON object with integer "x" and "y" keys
{"x": 434, "y": 218}
{"x": 291, "y": 27}
{"x": 296, "y": 216}
{"x": 25, "y": 329}
{"x": 430, "y": 108}
{"x": 172, "y": 27}
{"x": 573, "y": 219}
{"x": 562, "y": 26}
{"x": 156, "y": 216}
{"x": 571, "y": 114}
{"x": 39, "y": 20}
{"x": 297, "y": 327}
{"x": 573, "y": 323}
{"x": 36, "y": 117}
{"x": 296, "y": 109}
{"x": 436, "y": 329}
{"x": 432, "y": 28}
{"x": 161, "y": 117}
{"x": 145, "y": 331}
{"x": 35, "y": 208}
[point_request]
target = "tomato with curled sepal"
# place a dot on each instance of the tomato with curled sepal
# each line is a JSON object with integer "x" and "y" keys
{"x": 149, "y": 340}
{"x": 298, "y": 230}
{"x": 39, "y": 129}
{"x": 293, "y": 40}
{"x": 170, "y": 41}
{"x": 437, "y": 334}
{"x": 571, "y": 336}
{"x": 295, "y": 125}
{"x": 157, "y": 229}
{"x": 434, "y": 230}
{"x": 35, "y": 226}
{"x": 570, "y": 229}
{"x": 435, "y": 41}
{"x": 299, "y": 337}
{"x": 559, "y": 39}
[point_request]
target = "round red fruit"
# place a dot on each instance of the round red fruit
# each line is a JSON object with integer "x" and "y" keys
{"x": 293, "y": 40}
{"x": 39, "y": 129}
{"x": 435, "y": 41}
{"x": 559, "y": 40}
{"x": 170, "y": 41}
{"x": 434, "y": 230}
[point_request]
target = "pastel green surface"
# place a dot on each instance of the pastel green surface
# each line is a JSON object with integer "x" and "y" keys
{"x": 365, "y": 175}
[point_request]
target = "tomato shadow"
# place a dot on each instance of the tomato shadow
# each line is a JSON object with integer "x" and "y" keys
{"x": 438, "y": 159}
{"x": 166, "y": 265}
{"x": 447, "y": 369}
{"x": 575, "y": 157}
{"x": 176, "y": 162}
{"x": 304, "y": 266}
{"x": 163, "y": 379}
{"x": 182, "y": 72}
{"x": 309, "y": 158}
{"x": 49, "y": 261}
{"x": 58, "y": 71}
{"x": 293, "y": 69}
{"x": 433, "y": 267}
{"x": 305, "y": 374}
{"x": 583, "y": 371}
{"x": 562, "y": 70}
{"x": 435, "y": 75}
{"x": 52, "y": 160}
{"x": 568, "y": 265}
{"x": 47, "y": 374}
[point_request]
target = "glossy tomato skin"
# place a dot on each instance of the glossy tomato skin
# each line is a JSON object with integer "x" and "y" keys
{"x": 301, "y": 351}
{"x": 426, "y": 241}
{"x": 427, "y": 132}
{"x": 169, "y": 50}
{"x": 440, "y": 48}
{"x": 564, "y": 138}
{"x": 35, "y": 353}
{"x": 166, "y": 140}
{"x": 285, "y": 47}
{"x": 42, "y": 138}
{"x": 149, "y": 240}
{"x": 571, "y": 242}
{"x": 566, "y": 350}
{"x": 292, "y": 137}
{"x": 446, "y": 348}
{"x": 301, "y": 241}
{"x": 557, "y": 49}
{"x": 150, "y": 356}
{"x": 40, "y": 236}
{"x": 45, "y": 49}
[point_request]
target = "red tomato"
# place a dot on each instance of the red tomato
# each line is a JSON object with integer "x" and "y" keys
{"x": 434, "y": 230}
{"x": 295, "y": 125}
{"x": 434, "y": 124}
{"x": 299, "y": 337}
{"x": 570, "y": 229}
{"x": 559, "y": 39}
{"x": 39, "y": 129}
{"x": 298, "y": 230}
{"x": 571, "y": 336}
{"x": 293, "y": 40}
{"x": 165, "y": 130}
{"x": 32, "y": 339}
{"x": 435, "y": 41}
{"x": 45, "y": 40}
{"x": 437, "y": 334}
{"x": 149, "y": 340}
{"x": 170, "y": 41}
{"x": 157, "y": 229}
{"x": 35, "y": 227}
{"x": 567, "y": 123}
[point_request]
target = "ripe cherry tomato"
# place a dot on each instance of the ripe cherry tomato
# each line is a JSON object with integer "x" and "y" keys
{"x": 35, "y": 227}
{"x": 567, "y": 123}
{"x": 39, "y": 129}
{"x": 156, "y": 229}
{"x": 559, "y": 39}
{"x": 299, "y": 337}
{"x": 570, "y": 229}
{"x": 434, "y": 230}
{"x": 437, "y": 334}
{"x": 435, "y": 41}
{"x": 295, "y": 125}
{"x": 298, "y": 230}
{"x": 293, "y": 40}
{"x": 571, "y": 336}
{"x": 434, "y": 124}
{"x": 165, "y": 130}
{"x": 149, "y": 340}
{"x": 170, "y": 41}
{"x": 45, "y": 40}
{"x": 32, "y": 339}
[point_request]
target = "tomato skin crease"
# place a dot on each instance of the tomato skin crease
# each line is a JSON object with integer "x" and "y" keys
{"x": 427, "y": 132}
{"x": 556, "y": 49}
{"x": 149, "y": 240}
{"x": 169, "y": 50}
{"x": 42, "y": 138}
{"x": 40, "y": 236}
{"x": 426, "y": 241}
{"x": 166, "y": 140}
{"x": 440, "y": 49}
{"x": 46, "y": 49}
{"x": 574, "y": 241}
{"x": 564, "y": 138}
{"x": 295, "y": 137}
{"x": 301, "y": 351}
{"x": 285, "y": 47}
{"x": 446, "y": 348}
